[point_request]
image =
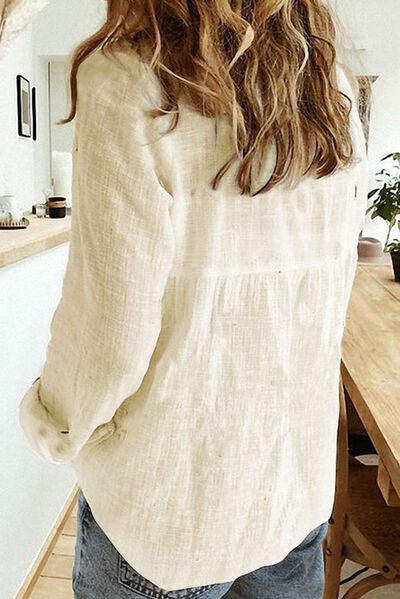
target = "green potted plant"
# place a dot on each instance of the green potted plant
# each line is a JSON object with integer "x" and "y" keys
{"x": 387, "y": 205}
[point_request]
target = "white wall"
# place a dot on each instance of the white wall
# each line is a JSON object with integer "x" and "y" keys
{"x": 42, "y": 145}
{"x": 32, "y": 491}
{"x": 375, "y": 25}
{"x": 24, "y": 164}
{"x": 71, "y": 22}
{"x": 64, "y": 23}
{"x": 17, "y": 154}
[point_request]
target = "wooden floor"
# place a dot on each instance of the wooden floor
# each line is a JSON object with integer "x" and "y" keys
{"x": 51, "y": 576}
{"x": 54, "y": 581}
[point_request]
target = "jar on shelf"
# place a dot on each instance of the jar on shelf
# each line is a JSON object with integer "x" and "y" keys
{"x": 40, "y": 210}
{"x": 56, "y": 206}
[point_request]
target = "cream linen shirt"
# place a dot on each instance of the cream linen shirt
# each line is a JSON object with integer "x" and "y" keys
{"x": 191, "y": 378}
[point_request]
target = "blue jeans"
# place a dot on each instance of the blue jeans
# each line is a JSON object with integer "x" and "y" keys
{"x": 100, "y": 572}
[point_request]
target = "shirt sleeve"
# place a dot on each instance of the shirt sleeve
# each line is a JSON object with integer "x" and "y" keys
{"x": 105, "y": 327}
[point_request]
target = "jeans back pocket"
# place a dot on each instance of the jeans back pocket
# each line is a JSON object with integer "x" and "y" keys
{"x": 131, "y": 579}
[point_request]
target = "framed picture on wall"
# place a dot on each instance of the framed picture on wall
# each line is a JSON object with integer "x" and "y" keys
{"x": 34, "y": 114}
{"x": 24, "y": 106}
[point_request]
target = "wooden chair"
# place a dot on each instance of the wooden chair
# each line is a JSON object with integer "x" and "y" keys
{"x": 362, "y": 528}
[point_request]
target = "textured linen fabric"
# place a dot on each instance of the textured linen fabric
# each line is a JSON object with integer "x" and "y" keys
{"x": 100, "y": 571}
{"x": 192, "y": 373}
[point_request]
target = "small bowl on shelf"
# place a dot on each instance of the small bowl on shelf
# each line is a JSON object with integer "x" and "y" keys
{"x": 13, "y": 219}
{"x": 15, "y": 224}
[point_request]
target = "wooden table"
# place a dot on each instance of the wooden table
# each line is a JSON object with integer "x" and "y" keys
{"x": 371, "y": 367}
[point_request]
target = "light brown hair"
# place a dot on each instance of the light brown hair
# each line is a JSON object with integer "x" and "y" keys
{"x": 267, "y": 65}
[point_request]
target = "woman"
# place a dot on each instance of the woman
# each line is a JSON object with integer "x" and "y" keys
{"x": 192, "y": 374}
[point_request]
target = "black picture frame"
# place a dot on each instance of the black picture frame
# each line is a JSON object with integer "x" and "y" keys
{"x": 24, "y": 107}
{"x": 34, "y": 114}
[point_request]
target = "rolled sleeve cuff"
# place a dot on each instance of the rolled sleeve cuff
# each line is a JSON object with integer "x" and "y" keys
{"x": 43, "y": 436}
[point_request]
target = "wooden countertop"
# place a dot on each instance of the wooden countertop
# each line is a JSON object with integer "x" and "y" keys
{"x": 41, "y": 234}
{"x": 371, "y": 361}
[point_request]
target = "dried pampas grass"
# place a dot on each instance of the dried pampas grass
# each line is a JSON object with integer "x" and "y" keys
{"x": 15, "y": 15}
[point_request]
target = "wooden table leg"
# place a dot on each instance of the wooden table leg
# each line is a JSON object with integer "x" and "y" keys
{"x": 386, "y": 487}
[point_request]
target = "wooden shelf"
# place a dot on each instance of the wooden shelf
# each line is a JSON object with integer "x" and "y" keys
{"x": 41, "y": 234}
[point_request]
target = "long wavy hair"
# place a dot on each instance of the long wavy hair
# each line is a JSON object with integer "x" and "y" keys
{"x": 269, "y": 66}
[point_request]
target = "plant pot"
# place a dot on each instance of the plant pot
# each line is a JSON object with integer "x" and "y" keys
{"x": 395, "y": 255}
